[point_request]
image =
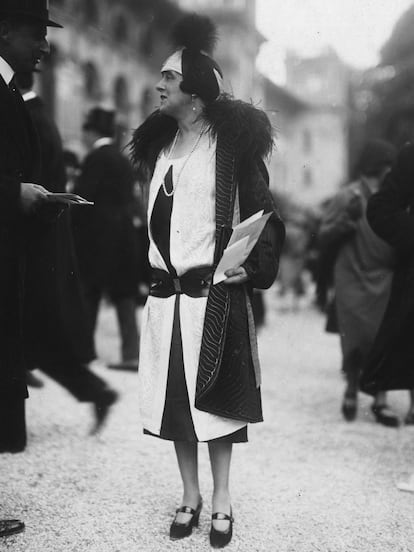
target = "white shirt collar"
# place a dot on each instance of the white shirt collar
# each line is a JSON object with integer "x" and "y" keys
{"x": 6, "y": 71}
{"x": 104, "y": 141}
{"x": 31, "y": 95}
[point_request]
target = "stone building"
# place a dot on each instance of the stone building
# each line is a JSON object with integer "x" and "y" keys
{"x": 110, "y": 53}
{"x": 311, "y": 118}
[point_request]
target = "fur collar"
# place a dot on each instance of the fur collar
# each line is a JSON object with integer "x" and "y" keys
{"x": 233, "y": 121}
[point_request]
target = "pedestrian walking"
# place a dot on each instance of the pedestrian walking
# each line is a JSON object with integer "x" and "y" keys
{"x": 293, "y": 263}
{"x": 23, "y": 29}
{"x": 390, "y": 214}
{"x": 363, "y": 268}
{"x": 199, "y": 375}
{"x": 105, "y": 236}
{"x": 58, "y": 336}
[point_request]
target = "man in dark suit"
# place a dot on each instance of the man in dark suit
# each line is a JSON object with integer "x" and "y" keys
{"x": 58, "y": 338}
{"x": 23, "y": 28}
{"x": 105, "y": 236}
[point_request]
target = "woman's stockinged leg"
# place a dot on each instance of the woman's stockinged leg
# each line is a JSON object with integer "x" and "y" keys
{"x": 187, "y": 458}
{"x": 220, "y": 459}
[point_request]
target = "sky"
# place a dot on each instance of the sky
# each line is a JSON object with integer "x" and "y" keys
{"x": 356, "y": 29}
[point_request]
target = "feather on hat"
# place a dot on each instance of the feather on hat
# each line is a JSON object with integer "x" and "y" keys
{"x": 195, "y": 36}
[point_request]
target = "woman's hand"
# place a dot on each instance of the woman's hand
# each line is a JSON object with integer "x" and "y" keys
{"x": 236, "y": 276}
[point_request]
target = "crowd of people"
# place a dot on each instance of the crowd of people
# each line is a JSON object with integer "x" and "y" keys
{"x": 202, "y": 157}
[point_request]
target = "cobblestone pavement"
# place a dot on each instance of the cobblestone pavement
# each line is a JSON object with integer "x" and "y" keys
{"x": 307, "y": 481}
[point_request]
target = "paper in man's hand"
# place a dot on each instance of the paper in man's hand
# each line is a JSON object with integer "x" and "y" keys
{"x": 70, "y": 199}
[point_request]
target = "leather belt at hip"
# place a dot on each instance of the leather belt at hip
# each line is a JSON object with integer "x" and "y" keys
{"x": 194, "y": 283}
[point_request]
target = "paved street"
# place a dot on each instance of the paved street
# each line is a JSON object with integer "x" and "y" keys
{"x": 307, "y": 481}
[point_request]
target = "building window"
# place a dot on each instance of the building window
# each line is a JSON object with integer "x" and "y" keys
{"x": 120, "y": 29}
{"x": 147, "y": 41}
{"x": 147, "y": 104}
{"x": 92, "y": 83}
{"x": 121, "y": 96}
{"x": 307, "y": 177}
{"x": 307, "y": 141}
{"x": 90, "y": 11}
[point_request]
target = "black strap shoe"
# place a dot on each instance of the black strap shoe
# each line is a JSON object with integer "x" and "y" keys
{"x": 220, "y": 539}
{"x": 182, "y": 530}
{"x": 385, "y": 416}
{"x": 10, "y": 527}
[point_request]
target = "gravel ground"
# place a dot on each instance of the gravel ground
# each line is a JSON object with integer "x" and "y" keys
{"x": 306, "y": 482}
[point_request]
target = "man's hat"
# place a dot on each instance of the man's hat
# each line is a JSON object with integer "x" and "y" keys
{"x": 37, "y": 10}
{"x": 101, "y": 120}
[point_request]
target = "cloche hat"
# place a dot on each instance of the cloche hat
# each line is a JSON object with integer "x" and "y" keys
{"x": 194, "y": 37}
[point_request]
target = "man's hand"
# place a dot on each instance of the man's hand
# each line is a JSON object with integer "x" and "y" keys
{"x": 236, "y": 276}
{"x": 31, "y": 195}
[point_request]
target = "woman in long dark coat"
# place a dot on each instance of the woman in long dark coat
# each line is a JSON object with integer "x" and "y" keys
{"x": 362, "y": 273}
{"x": 199, "y": 373}
{"x": 391, "y": 215}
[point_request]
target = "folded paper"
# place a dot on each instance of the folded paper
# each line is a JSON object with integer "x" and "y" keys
{"x": 70, "y": 199}
{"x": 244, "y": 237}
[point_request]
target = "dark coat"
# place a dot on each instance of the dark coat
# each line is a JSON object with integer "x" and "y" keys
{"x": 105, "y": 236}
{"x": 391, "y": 215}
{"x": 226, "y": 382}
{"x": 362, "y": 273}
{"x": 18, "y": 163}
{"x": 56, "y": 326}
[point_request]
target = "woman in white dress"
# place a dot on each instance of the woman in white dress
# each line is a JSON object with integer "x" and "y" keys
{"x": 199, "y": 375}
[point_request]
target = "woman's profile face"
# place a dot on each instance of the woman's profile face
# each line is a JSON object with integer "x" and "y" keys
{"x": 173, "y": 100}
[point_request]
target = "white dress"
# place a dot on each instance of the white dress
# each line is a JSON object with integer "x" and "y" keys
{"x": 192, "y": 243}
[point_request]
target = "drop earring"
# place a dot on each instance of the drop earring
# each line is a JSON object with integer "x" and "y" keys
{"x": 192, "y": 100}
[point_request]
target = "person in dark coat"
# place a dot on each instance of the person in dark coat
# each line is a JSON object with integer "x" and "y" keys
{"x": 23, "y": 29}
{"x": 391, "y": 215}
{"x": 105, "y": 235}
{"x": 362, "y": 269}
{"x": 58, "y": 337}
{"x": 199, "y": 374}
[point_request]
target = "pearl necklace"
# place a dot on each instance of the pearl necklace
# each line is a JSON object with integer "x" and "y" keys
{"x": 166, "y": 192}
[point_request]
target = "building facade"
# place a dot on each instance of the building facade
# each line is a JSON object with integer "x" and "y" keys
{"x": 110, "y": 53}
{"x": 311, "y": 118}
